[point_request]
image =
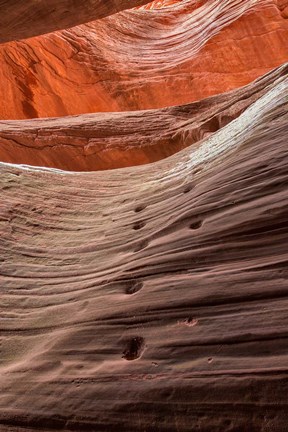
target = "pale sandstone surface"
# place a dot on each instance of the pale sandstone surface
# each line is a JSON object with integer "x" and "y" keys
{"x": 151, "y": 298}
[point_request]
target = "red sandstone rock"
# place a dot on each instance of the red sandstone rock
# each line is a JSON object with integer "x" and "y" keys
{"x": 151, "y": 298}
{"x": 143, "y": 59}
{"x": 104, "y": 141}
{"x": 159, "y": 4}
{"x": 21, "y": 19}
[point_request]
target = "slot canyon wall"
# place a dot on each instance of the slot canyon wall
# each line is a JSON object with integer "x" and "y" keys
{"x": 143, "y": 59}
{"x": 144, "y": 216}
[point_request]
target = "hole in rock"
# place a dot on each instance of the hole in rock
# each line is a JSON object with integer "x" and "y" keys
{"x": 227, "y": 422}
{"x": 187, "y": 189}
{"x": 197, "y": 170}
{"x": 196, "y": 225}
{"x": 133, "y": 287}
{"x": 134, "y": 349}
{"x": 138, "y": 225}
{"x": 140, "y": 208}
{"x": 191, "y": 322}
{"x": 168, "y": 393}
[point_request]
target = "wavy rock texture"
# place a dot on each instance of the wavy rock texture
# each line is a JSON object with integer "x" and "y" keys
{"x": 104, "y": 141}
{"x": 152, "y": 298}
{"x": 159, "y": 4}
{"x": 144, "y": 59}
{"x": 20, "y": 19}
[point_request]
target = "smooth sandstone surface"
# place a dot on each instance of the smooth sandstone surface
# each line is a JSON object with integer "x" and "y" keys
{"x": 113, "y": 140}
{"x": 143, "y": 59}
{"x": 151, "y": 298}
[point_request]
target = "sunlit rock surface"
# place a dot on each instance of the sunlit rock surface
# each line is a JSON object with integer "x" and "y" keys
{"x": 103, "y": 141}
{"x": 154, "y": 297}
{"x": 142, "y": 59}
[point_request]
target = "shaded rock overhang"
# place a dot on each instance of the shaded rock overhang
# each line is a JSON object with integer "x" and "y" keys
{"x": 22, "y": 19}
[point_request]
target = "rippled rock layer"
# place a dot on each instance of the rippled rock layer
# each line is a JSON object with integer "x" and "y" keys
{"x": 104, "y": 141}
{"x": 143, "y": 59}
{"x": 21, "y": 19}
{"x": 152, "y": 297}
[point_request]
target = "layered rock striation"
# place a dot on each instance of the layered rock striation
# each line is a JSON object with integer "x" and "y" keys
{"x": 103, "y": 141}
{"x": 143, "y": 59}
{"x": 22, "y": 19}
{"x": 152, "y": 297}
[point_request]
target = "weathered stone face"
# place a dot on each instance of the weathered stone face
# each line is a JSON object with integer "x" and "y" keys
{"x": 143, "y": 59}
{"x": 151, "y": 298}
{"x": 104, "y": 141}
{"x": 22, "y": 19}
